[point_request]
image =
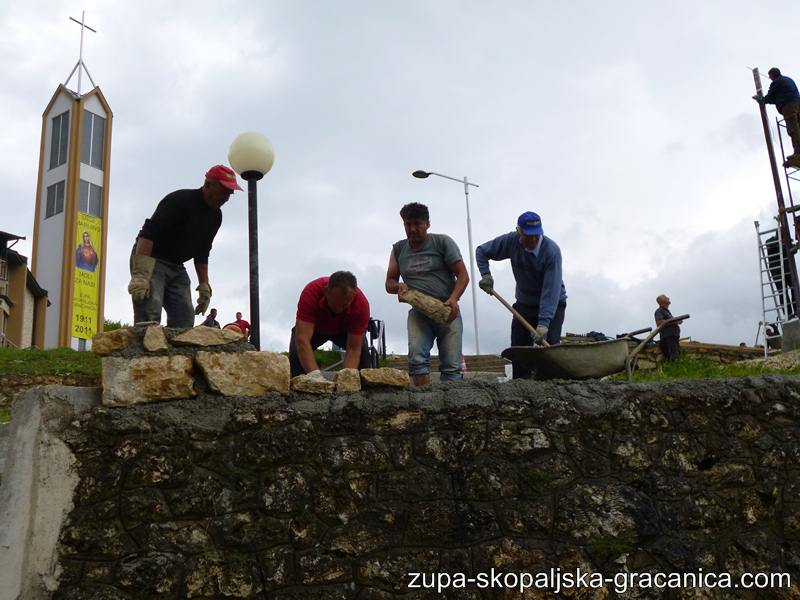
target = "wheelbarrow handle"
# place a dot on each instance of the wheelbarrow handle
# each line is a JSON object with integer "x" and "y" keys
{"x": 632, "y": 355}
{"x": 637, "y": 332}
{"x": 519, "y": 317}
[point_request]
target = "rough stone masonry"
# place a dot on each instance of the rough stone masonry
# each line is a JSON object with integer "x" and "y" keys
{"x": 304, "y": 496}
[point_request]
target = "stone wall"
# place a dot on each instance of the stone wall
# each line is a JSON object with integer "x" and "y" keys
{"x": 12, "y": 384}
{"x": 304, "y": 496}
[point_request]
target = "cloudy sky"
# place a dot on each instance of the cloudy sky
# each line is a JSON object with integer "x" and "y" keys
{"x": 628, "y": 126}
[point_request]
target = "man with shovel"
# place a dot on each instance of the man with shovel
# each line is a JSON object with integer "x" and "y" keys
{"x": 541, "y": 298}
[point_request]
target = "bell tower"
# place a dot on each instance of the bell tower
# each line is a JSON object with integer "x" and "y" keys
{"x": 71, "y": 218}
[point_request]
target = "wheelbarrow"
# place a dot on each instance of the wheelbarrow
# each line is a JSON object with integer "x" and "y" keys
{"x": 567, "y": 361}
{"x": 590, "y": 360}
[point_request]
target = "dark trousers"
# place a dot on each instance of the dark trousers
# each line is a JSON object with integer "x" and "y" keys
{"x": 522, "y": 337}
{"x": 340, "y": 339}
{"x": 670, "y": 347}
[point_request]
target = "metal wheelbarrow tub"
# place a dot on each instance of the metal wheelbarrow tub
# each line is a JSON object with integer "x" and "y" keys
{"x": 571, "y": 361}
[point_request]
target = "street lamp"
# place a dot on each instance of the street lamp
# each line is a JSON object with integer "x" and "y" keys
{"x": 251, "y": 155}
{"x": 425, "y": 175}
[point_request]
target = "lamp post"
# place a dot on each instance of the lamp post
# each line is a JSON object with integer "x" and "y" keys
{"x": 425, "y": 175}
{"x": 251, "y": 155}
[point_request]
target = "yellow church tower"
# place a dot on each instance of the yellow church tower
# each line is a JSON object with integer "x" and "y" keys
{"x": 71, "y": 219}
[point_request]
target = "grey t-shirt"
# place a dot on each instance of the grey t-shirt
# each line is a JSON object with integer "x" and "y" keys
{"x": 428, "y": 268}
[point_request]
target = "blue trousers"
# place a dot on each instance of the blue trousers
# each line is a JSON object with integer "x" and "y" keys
{"x": 422, "y": 332}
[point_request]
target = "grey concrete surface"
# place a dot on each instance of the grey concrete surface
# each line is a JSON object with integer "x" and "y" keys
{"x": 791, "y": 336}
{"x": 37, "y": 488}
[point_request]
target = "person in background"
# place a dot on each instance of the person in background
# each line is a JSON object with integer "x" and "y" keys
{"x": 784, "y": 95}
{"x": 243, "y": 325}
{"x": 670, "y": 335}
{"x": 211, "y": 319}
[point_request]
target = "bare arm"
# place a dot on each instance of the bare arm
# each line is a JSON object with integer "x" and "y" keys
{"x": 202, "y": 271}
{"x": 353, "y": 356}
{"x": 144, "y": 246}
{"x": 393, "y": 284}
{"x": 462, "y": 280}
{"x": 303, "y": 330}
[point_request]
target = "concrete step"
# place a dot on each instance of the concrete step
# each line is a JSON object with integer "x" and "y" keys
{"x": 488, "y": 363}
{"x": 5, "y": 430}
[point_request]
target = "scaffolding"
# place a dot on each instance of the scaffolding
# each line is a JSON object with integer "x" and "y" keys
{"x": 777, "y": 264}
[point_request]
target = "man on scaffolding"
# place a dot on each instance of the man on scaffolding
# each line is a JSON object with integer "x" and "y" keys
{"x": 784, "y": 95}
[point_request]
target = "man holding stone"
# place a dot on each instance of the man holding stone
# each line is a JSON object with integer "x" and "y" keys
{"x": 330, "y": 309}
{"x": 182, "y": 227}
{"x": 540, "y": 292}
{"x": 434, "y": 278}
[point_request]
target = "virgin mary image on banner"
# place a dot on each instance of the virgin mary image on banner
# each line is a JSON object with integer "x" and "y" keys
{"x": 85, "y": 254}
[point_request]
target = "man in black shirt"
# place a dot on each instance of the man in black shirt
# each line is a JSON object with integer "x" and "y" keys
{"x": 183, "y": 226}
{"x": 670, "y": 335}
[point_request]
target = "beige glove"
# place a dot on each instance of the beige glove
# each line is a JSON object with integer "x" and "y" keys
{"x": 541, "y": 335}
{"x": 141, "y": 272}
{"x": 316, "y": 376}
{"x": 203, "y": 298}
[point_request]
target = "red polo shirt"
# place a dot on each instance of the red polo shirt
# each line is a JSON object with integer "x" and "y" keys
{"x": 312, "y": 308}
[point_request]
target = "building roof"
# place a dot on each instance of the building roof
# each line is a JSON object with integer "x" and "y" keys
{"x": 6, "y": 237}
{"x": 15, "y": 258}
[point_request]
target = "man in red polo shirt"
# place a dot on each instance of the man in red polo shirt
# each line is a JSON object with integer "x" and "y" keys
{"x": 330, "y": 309}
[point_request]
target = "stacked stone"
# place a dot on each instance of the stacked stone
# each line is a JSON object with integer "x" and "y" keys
{"x": 150, "y": 363}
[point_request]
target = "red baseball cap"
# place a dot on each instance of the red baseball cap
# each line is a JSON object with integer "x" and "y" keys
{"x": 224, "y": 175}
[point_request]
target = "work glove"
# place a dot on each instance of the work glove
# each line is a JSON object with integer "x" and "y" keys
{"x": 316, "y": 376}
{"x": 203, "y": 298}
{"x": 141, "y": 272}
{"x": 759, "y": 99}
{"x": 541, "y": 335}
{"x": 487, "y": 284}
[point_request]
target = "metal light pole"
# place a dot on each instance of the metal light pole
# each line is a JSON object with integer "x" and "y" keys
{"x": 425, "y": 175}
{"x": 251, "y": 155}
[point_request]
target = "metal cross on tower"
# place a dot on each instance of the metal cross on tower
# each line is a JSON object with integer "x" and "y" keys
{"x": 80, "y": 65}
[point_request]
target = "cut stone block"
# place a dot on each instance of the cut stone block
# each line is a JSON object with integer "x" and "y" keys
{"x": 107, "y": 342}
{"x": 428, "y": 305}
{"x": 154, "y": 339}
{"x": 245, "y": 373}
{"x": 145, "y": 379}
{"x": 206, "y": 336}
{"x": 304, "y": 383}
{"x": 348, "y": 380}
{"x": 384, "y": 376}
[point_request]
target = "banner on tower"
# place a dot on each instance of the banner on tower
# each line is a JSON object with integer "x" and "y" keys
{"x": 88, "y": 234}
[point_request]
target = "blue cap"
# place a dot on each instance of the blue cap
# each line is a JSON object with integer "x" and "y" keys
{"x": 530, "y": 223}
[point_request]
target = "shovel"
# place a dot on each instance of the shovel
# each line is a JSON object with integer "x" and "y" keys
{"x": 519, "y": 318}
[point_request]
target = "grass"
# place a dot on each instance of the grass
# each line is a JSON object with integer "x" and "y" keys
{"x": 5, "y": 415}
{"x": 686, "y": 368}
{"x": 59, "y": 361}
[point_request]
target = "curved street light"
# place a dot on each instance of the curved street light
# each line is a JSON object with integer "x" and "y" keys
{"x": 425, "y": 175}
{"x": 252, "y": 155}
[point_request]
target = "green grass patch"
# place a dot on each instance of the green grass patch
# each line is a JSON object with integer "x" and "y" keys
{"x": 59, "y": 361}
{"x": 688, "y": 367}
{"x": 5, "y": 415}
